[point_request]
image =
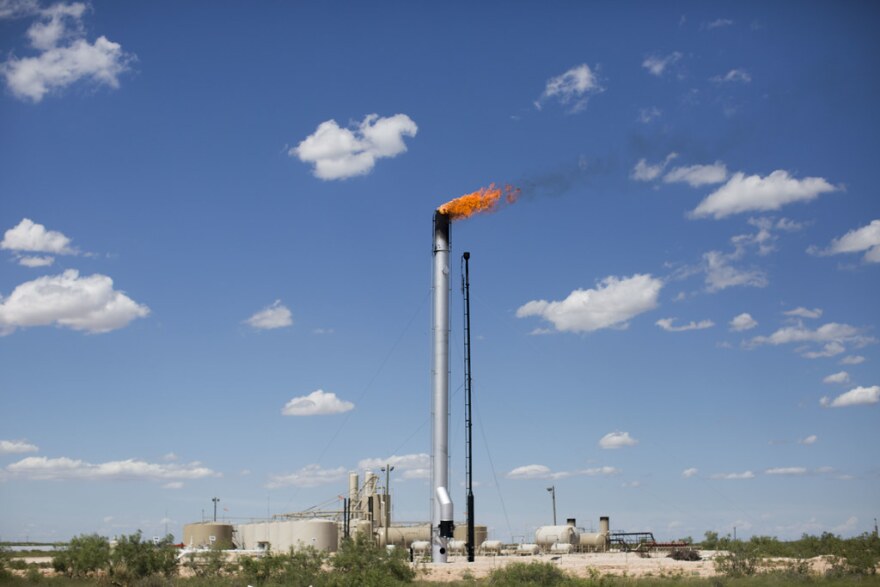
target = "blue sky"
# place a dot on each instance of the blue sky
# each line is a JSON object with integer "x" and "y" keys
{"x": 216, "y": 223}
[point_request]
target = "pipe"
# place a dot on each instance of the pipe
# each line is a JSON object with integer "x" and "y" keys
{"x": 440, "y": 382}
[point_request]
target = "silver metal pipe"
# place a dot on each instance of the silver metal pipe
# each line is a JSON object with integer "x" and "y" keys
{"x": 440, "y": 383}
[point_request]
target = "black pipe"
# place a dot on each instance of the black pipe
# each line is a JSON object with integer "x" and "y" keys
{"x": 467, "y": 410}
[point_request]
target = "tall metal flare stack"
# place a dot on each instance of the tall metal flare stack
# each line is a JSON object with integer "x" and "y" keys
{"x": 441, "y": 520}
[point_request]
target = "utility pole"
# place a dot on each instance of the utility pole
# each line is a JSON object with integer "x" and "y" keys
{"x": 468, "y": 414}
{"x": 215, "y": 500}
{"x": 552, "y": 490}
{"x": 387, "y": 470}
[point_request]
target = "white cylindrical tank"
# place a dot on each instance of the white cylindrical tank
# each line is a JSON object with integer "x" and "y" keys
{"x": 456, "y": 546}
{"x": 527, "y": 549}
{"x": 421, "y": 547}
{"x": 322, "y": 535}
{"x": 491, "y": 547}
{"x": 547, "y": 536}
{"x": 208, "y": 535}
{"x": 593, "y": 541}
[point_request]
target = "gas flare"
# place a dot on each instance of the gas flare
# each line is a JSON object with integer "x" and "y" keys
{"x": 483, "y": 200}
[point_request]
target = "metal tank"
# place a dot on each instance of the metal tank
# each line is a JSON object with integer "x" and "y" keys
{"x": 547, "y": 536}
{"x": 492, "y": 547}
{"x": 208, "y": 535}
{"x": 527, "y": 549}
{"x": 404, "y": 536}
{"x": 322, "y": 535}
{"x": 481, "y": 533}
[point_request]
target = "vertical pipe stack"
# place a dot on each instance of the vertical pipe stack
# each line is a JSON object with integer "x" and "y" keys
{"x": 440, "y": 385}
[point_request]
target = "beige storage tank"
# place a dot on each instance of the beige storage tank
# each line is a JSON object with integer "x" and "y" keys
{"x": 456, "y": 546}
{"x": 208, "y": 535}
{"x": 404, "y": 536}
{"x": 421, "y": 547}
{"x": 491, "y": 547}
{"x": 593, "y": 542}
{"x": 320, "y": 534}
{"x": 547, "y": 536}
{"x": 527, "y": 549}
{"x": 562, "y": 548}
{"x": 481, "y": 533}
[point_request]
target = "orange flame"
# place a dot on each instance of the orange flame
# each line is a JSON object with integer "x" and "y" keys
{"x": 483, "y": 200}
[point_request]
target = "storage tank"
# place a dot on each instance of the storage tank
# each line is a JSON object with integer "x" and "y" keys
{"x": 422, "y": 547}
{"x": 527, "y": 549}
{"x": 320, "y": 534}
{"x": 481, "y": 533}
{"x": 208, "y": 535}
{"x": 491, "y": 547}
{"x": 547, "y": 536}
{"x": 562, "y": 548}
{"x": 456, "y": 546}
{"x": 404, "y": 536}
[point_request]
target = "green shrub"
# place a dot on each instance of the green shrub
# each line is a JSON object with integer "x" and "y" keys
{"x": 534, "y": 573}
{"x": 133, "y": 558}
{"x": 86, "y": 555}
{"x": 361, "y": 562}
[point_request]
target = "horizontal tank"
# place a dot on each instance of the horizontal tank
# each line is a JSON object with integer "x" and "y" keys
{"x": 562, "y": 548}
{"x": 527, "y": 549}
{"x": 456, "y": 546}
{"x": 547, "y": 536}
{"x": 421, "y": 546}
{"x": 491, "y": 546}
{"x": 593, "y": 541}
{"x": 208, "y": 535}
{"x": 404, "y": 536}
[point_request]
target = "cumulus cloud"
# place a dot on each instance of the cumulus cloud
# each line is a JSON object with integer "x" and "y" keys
{"x": 839, "y": 377}
{"x": 721, "y": 274}
{"x": 666, "y": 324}
{"x": 733, "y": 76}
{"x": 852, "y": 360}
{"x": 28, "y": 236}
{"x": 412, "y": 466}
{"x": 794, "y": 471}
{"x": 697, "y": 175}
{"x": 544, "y": 472}
{"x": 802, "y": 312}
{"x": 647, "y": 115}
{"x": 832, "y": 336}
{"x": 317, "y": 403}
{"x": 10, "y": 447}
{"x": 308, "y": 476}
{"x": 18, "y": 8}
{"x": 275, "y": 316}
{"x": 859, "y": 396}
{"x": 64, "y": 57}
{"x": 742, "y": 322}
{"x": 340, "y": 153}
{"x": 616, "y": 439}
{"x": 63, "y": 468}
{"x": 81, "y": 303}
{"x": 866, "y": 238}
{"x": 744, "y": 193}
{"x": 743, "y": 475}
{"x": 36, "y": 261}
{"x": 656, "y": 64}
{"x": 611, "y": 304}
{"x": 572, "y": 87}
{"x": 811, "y": 439}
{"x": 644, "y": 171}
{"x": 688, "y": 473}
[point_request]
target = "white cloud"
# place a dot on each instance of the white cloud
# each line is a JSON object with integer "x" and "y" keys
{"x": 666, "y": 324}
{"x": 42, "y": 468}
{"x": 36, "y": 261}
{"x": 839, "y": 377}
{"x": 743, "y": 475}
{"x": 411, "y": 466}
{"x": 866, "y": 238}
{"x": 742, "y": 322}
{"x": 734, "y": 75}
{"x": 614, "y": 440}
{"x": 572, "y": 87}
{"x": 308, "y": 476}
{"x": 9, "y": 447}
{"x": 643, "y": 171}
{"x": 744, "y": 193}
{"x": 656, "y": 64}
{"x": 718, "y": 23}
{"x": 275, "y": 316}
{"x": 647, "y": 115}
{"x": 796, "y": 471}
{"x": 832, "y": 336}
{"x": 173, "y": 485}
{"x": 720, "y": 274}
{"x": 81, "y": 303}
{"x": 688, "y": 473}
{"x": 612, "y": 303}
{"x": 10, "y": 9}
{"x": 802, "y": 312}
{"x": 340, "y": 153}
{"x": 544, "y": 472}
{"x": 31, "y": 237}
{"x": 811, "y": 439}
{"x": 852, "y": 360}
{"x": 317, "y": 403}
{"x": 64, "y": 57}
{"x": 859, "y": 396}
{"x": 697, "y": 175}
